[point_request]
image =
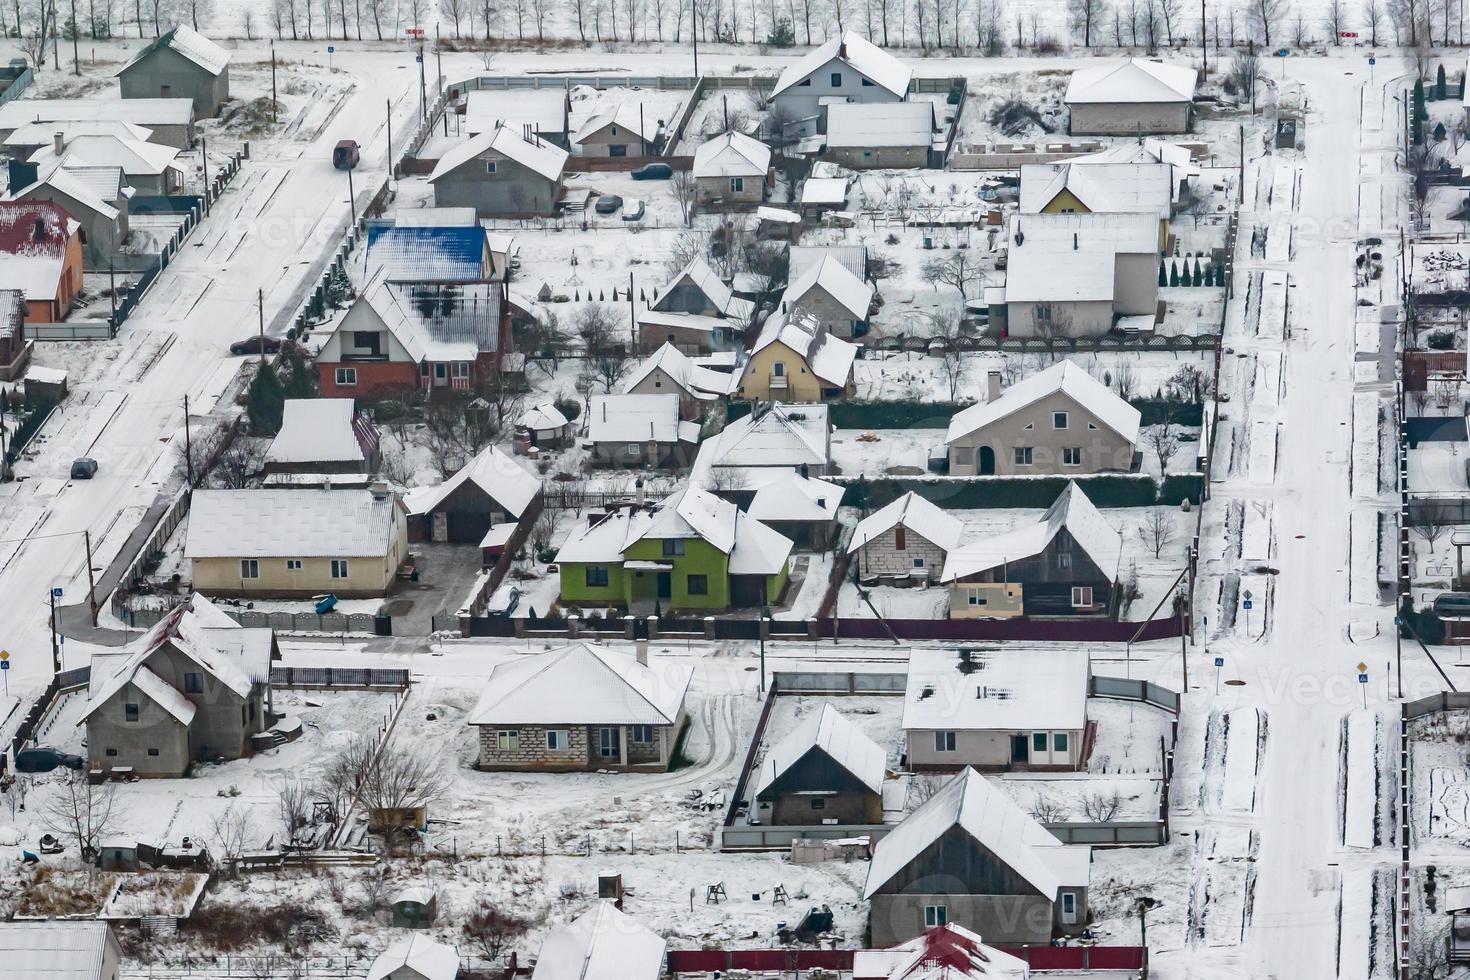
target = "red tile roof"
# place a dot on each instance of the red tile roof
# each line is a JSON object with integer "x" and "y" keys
{"x": 34, "y": 228}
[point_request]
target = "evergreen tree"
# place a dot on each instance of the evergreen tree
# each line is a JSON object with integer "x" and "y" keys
{"x": 1173, "y": 273}
{"x": 1439, "y": 132}
{"x": 1439, "y": 83}
{"x": 1199, "y": 277}
{"x": 1163, "y": 274}
{"x": 266, "y": 401}
{"x": 782, "y": 35}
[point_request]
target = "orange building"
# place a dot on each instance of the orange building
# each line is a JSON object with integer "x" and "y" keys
{"x": 40, "y": 256}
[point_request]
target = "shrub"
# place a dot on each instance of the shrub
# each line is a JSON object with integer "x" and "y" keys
{"x": 1442, "y": 340}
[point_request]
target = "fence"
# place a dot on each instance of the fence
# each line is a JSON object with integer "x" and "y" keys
{"x": 1436, "y": 509}
{"x": 20, "y": 79}
{"x": 838, "y": 683}
{"x": 328, "y": 678}
{"x": 134, "y": 573}
{"x": 79, "y": 330}
{"x": 67, "y": 680}
{"x": 1056, "y": 345}
{"x": 1123, "y": 689}
{"x": 1132, "y": 959}
{"x": 281, "y": 622}
{"x": 1443, "y": 701}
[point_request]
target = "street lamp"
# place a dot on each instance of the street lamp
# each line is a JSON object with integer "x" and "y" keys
{"x": 1146, "y": 904}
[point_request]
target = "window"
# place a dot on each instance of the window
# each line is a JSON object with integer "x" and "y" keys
{"x": 976, "y": 599}
{"x": 1038, "y": 742}
{"x": 293, "y": 564}
{"x": 596, "y": 576}
{"x": 673, "y": 547}
{"x": 1092, "y": 426}
{"x": 617, "y": 150}
{"x": 508, "y": 740}
{"x": 347, "y": 377}
{"x": 699, "y": 585}
{"x": 779, "y": 369}
{"x": 368, "y": 340}
{"x": 423, "y": 369}
{"x": 1081, "y": 596}
{"x": 1023, "y": 455}
{"x": 900, "y": 538}
{"x": 634, "y": 448}
{"x": 607, "y": 743}
{"x": 837, "y": 79}
{"x": 339, "y": 568}
{"x": 244, "y": 715}
{"x": 804, "y": 83}
{"x": 193, "y": 683}
{"x": 1072, "y": 456}
{"x": 461, "y": 369}
{"x": 867, "y": 84}
{"x": 936, "y": 915}
{"x": 964, "y": 455}
{"x": 1058, "y": 420}
{"x": 918, "y": 563}
{"x": 130, "y": 711}
{"x": 1059, "y": 742}
{"x": 818, "y": 803}
{"x": 612, "y": 130}
{"x": 249, "y": 568}
{"x": 153, "y": 752}
{"x": 944, "y": 741}
{"x": 737, "y": 184}
{"x": 111, "y": 753}
{"x": 556, "y": 740}
{"x": 642, "y": 734}
{"x": 490, "y": 166}
{"x": 1043, "y": 312}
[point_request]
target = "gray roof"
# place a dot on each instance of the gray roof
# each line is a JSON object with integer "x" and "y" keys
{"x": 290, "y": 523}
{"x": 55, "y": 950}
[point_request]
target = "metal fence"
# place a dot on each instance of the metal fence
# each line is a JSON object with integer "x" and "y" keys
{"x": 1443, "y": 701}
{"x": 78, "y": 330}
{"x": 19, "y": 79}
{"x": 327, "y": 678}
{"x": 67, "y": 680}
{"x": 1125, "y": 689}
{"x": 839, "y": 683}
{"x": 281, "y": 622}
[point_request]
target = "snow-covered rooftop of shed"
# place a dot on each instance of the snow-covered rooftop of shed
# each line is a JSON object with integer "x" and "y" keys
{"x": 838, "y": 738}
{"x": 732, "y": 155}
{"x": 601, "y": 944}
{"x": 501, "y": 478}
{"x": 316, "y": 430}
{"x": 861, "y": 124}
{"x": 1132, "y": 80}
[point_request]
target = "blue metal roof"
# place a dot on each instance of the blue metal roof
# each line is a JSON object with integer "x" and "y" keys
{"x": 439, "y": 255}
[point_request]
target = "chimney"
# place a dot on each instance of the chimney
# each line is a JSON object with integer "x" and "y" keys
{"x": 641, "y": 646}
{"x": 992, "y": 385}
{"x": 38, "y": 233}
{"x": 805, "y": 472}
{"x": 378, "y": 489}
{"x": 58, "y": 143}
{"x": 1020, "y": 236}
{"x": 638, "y": 491}
{"x": 842, "y": 49}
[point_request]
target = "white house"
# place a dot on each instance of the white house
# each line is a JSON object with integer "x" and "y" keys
{"x": 847, "y": 68}
{"x": 1131, "y": 97}
{"x": 669, "y": 370}
{"x": 906, "y": 540}
{"x": 416, "y": 957}
{"x": 774, "y": 439}
{"x": 865, "y": 137}
{"x": 1075, "y": 275}
{"x": 829, "y": 290}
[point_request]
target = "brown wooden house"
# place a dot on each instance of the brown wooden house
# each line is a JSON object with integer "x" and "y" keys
{"x": 826, "y": 771}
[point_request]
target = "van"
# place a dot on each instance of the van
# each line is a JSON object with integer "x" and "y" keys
{"x": 345, "y": 155}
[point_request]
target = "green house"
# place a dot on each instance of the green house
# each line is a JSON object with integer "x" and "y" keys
{"x": 691, "y": 551}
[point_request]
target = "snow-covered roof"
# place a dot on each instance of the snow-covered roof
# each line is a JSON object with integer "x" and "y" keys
{"x": 947, "y": 952}
{"x": 719, "y": 295}
{"x": 996, "y": 690}
{"x": 829, "y": 732}
{"x": 158, "y": 691}
{"x": 543, "y": 416}
{"x": 141, "y": 112}
{"x": 12, "y": 312}
{"x": 316, "y": 430}
{"x": 192, "y": 45}
{"x": 426, "y": 253}
{"x": 691, "y": 512}
{"x": 1060, "y": 258}
{"x": 829, "y": 358}
{"x": 539, "y": 157}
{"x": 801, "y": 259}
{"x": 859, "y": 54}
{"x": 436, "y": 218}
{"x": 1124, "y": 188}
{"x": 732, "y": 154}
{"x": 33, "y": 241}
{"x": 834, "y": 278}
{"x": 759, "y": 549}
{"x": 42, "y": 133}
{"x": 913, "y": 513}
{"x": 777, "y": 215}
{"x": 778, "y": 434}
{"x": 601, "y": 944}
{"x": 1065, "y": 377}
{"x": 501, "y": 478}
{"x": 544, "y": 110}
{"x": 1132, "y": 80}
{"x": 1151, "y": 150}
{"x": 415, "y": 894}
{"x": 865, "y": 124}
{"x": 64, "y": 181}
{"x": 793, "y": 497}
{"x": 824, "y": 190}
{"x": 105, "y": 184}
{"x": 131, "y": 156}
{"x": 1072, "y": 511}
{"x": 437, "y": 323}
{"x": 290, "y": 523}
{"x": 638, "y": 418}
{"x": 428, "y": 959}
{"x": 696, "y": 381}
{"x": 56, "y": 949}
{"x": 582, "y": 684}
{"x": 987, "y": 814}
{"x": 628, "y": 113}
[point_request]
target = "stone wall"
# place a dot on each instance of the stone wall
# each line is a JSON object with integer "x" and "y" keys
{"x": 882, "y": 556}
{"x": 530, "y": 750}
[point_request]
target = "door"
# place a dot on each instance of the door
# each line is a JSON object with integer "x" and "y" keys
{"x": 609, "y": 743}
{"x": 665, "y": 585}
{"x": 987, "y": 461}
{"x": 1069, "y": 909}
{"x": 441, "y": 375}
{"x": 1019, "y": 753}
{"x": 441, "y": 526}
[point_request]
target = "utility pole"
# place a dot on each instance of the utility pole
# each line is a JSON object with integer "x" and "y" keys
{"x": 351, "y": 199}
{"x": 260, "y": 304}
{"x": 112, "y": 292}
{"x": 76, "y": 33}
{"x": 423, "y": 87}
{"x": 694, "y": 36}
{"x": 1240, "y": 191}
{"x": 204, "y": 156}
{"x": 391, "y": 168}
{"x": 91, "y": 584}
{"x": 273, "y": 81}
{"x": 1204, "y": 41}
{"x": 55, "y": 649}
{"x": 632, "y": 314}
{"x": 188, "y": 446}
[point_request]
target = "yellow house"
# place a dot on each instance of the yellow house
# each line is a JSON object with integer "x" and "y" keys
{"x": 296, "y": 542}
{"x": 1100, "y": 188}
{"x": 795, "y": 359}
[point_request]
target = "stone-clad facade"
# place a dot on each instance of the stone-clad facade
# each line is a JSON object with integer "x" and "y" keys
{"x": 527, "y": 748}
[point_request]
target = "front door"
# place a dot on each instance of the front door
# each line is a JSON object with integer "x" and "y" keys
{"x": 441, "y": 526}
{"x": 609, "y": 743}
{"x": 987, "y": 461}
{"x": 665, "y": 585}
{"x": 1019, "y": 753}
{"x": 441, "y": 375}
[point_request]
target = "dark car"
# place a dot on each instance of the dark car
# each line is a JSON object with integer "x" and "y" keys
{"x": 253, "y": 346}
{"x": 653, "y": 171}
{"x": 43, "y": 759}
{"x": 504, "y": 601}
{"x": 345, "y": 155}
{"x": 1452, "y": 604}
{"x": 83, "y": 468}
{"x": 608, "y": 204}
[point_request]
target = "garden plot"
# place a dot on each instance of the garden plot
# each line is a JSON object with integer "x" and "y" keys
{"x": 1010, "y": 107}
{"x": 1220, "y": 900}
{"x": 1438, "y": 466}
{"x": 1130, "y": 737}
{"x": 1079, "y": 797}
{"x": 1266, "y": 387}
{"x": 1440, "y": 797}
{"x": 1365, "y": 443}
{"x": 1440, "y": 266}
{"x": 1262, "y": 467}
{"x": 1271, "y": 322}
{"x": 1363, "y": 771}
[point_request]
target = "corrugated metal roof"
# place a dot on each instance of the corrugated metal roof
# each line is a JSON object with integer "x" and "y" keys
{"x": 55, "y": 950}
{"x": 434, "y": 254}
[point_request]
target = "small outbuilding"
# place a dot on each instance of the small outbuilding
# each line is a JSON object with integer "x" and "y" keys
{"x": 731, "y": 170}
{"x": 826, "y": 771}
{"x": 1131, "y": 97}
{"x": 489, "y": 491}
{"x": 601, "y": 943}
{"x": 416, "y": 958}
{"x": 321, "y": 436}
{"x": 905, "y": 541}
{"x": 543, "y": 426}
{"x": 181, "y": 63}
{"x": 415, "y": 907}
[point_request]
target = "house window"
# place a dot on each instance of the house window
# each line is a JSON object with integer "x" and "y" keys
{"x": 368, "y": 340}
{"x": 964, "y": 455}
{"x": 936, "y": 915}
{"x": 153, "y": 752}
{"x": 918, "y": 563}
{"x": 130, "y": 711}
{"x": 804, "y": 83}
{"x": 1059, "y": 742}
{"x": 737, "y": 184}
{"x": 249, "y": 568}
{"x": 818, "y": 803}
{"x": 633, "y": 448}
{"x": 607, "y": 743}
{"x": 976, "y": 599}
{"x": 1069, "y": 908}
{"x": 1081, "y": 596}
{"x": 339, "y": 568}
{"x": 1043, "y": 312}
{"x": 673, "y": 547}
{"x": 111, "y": 753}
{"x": 596, "y": 577}
{"x": 346, "y": 377}
{"x": 1023, "y": 455}
{"x": 490, "y": 166}
{"x": 1072, "y": 456}
{"x": 900, "y": 538}
{"x": 837, "y": 79}
{"x": 1064, "y": 559}
{"x": 699, "y": 585}
{"x": 867, "y": 83}
{"x": 944, "y": 741}
{"x": 556, "y": 740}
{"x": 617, "y": 150}
{"x": 508, "y": 740}
{"x": 461, "y": 369}
{"x": 1058, "y": 420}
{"x": 1038, "y": 743}
{"x": 779, "y": 369}
{"x": 423, "y": 369}
{"x": 642, "y": 734}
{"x": 293, "y": 564}
{"x": 193, "y": 683}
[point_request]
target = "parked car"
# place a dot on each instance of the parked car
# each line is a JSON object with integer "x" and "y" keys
{"x": 633, "y": 210}
{"x": 83, "y": 468}
{"x": 1452, "y": 604}
{"x": 346, "y": 154}
{"x": 42, "y": 758}
{"x": 254, "y": 344}
{"x": 608, "y": 204}
{"x": 653, "y": 171}
{"x": 504, "y": 601}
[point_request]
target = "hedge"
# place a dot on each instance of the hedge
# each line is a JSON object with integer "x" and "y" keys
{"x": 28, "y": 427}
{"x": 936, "y": 414}
{"x": 984, "y": 492}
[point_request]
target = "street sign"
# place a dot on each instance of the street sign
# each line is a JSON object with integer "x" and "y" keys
{"x": 1219, "y": 661}
{"x": 4, "y": 656}
{"x": 56, "y": 593}
{"x": 1372, "y": 61}
{"x": 1362, "y": 678}
{"x": 1347, "y": 34}
{"x": 1362, "y": 667}
{"x": 4, "y": 664}
{"x": 1247, "y": 604}
{"x": 1283, "y": 52}
{"x": 331, "y": 49}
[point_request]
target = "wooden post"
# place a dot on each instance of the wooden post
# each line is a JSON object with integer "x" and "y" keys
{"x": 91, "y": 584}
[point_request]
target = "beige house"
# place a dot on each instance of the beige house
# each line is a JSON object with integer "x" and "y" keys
{"x": 796, "y": 359}
{"x": 996, "y": 709}
{"x": 732, "y": 169}
{"x": 895, "y": 135}
{"x": 582, "y": 707}
{"x": 906, "y": 541}
{"x": 829, "y": 290}
{"x": 626, "y": 129}
{"x": 1100, "y": 188}
{"x": 296, "y": 542}
{"x": 1131, "y": 97}
{"x": 1061, "y": 421}
{"x": 1081, "y": 275}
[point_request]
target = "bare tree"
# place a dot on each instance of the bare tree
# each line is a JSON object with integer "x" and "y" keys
{"x": 455, "y": 11}
{"x": 1431, "y": 520}
{"x": 82, "y": 811}
{"x": 684, "y": 185}
{"x": 946, "y": 329}
{"x": 1124, "y": 380}
{"x": 339, "y": 779}
{"x": 1101, "y": 809}
{"x": 1156, "y": 530}
{"x": 232, "y": 833}
{"x": 1045, "y": 809}
{"x": 922, "y": 787}
{"x": 1165, "y": 445}
{"x": 1169, "y": 14}
{"x": 1245, "y": 72}
{"x": 402, "y": 778}
{"x": 292, "y": 804}
{"x": 959, "y": 269}
{"x": 1373, "y": 19}
{"x": 1299, "y": 36}
{"x": 1334, "y": 20}
{"x": 1086, "y": 15}
{"x": 990, "y": 18}
{"x": 1264, "y": 16}
{"x": 490, "y": 929}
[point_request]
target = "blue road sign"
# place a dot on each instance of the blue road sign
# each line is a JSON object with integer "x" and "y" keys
{"x": 1362, "y": 678}
{"x": 4, "y": 664}
{"x": 56, "y": 593}
{"x": 1372, "y": 61}
{"x": 331, "y": 50}
{"x": 1247, "y": 603}
{"x": 1219, "y": 661}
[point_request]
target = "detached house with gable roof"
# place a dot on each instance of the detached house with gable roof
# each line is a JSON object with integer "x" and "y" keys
{"x": 796, "y": 359}
{"x": 824, "y": 771}
{"x": 601, "y": 944}
{"x": 671, "y": 371}
{"x": 829, "y": 290}
{"x": 1131, "y": 97}
{"x": 1100, "y": 188}
{"x": 732, "y": 169}
{"x": 489, "y": 496}
{"x": 1061, "y": 421}
{"x": 96, "y": 198}
{"x": 181, "y": 63}
{"x": 775, "y": 439}
{"x": 582, "y": 707}
{"x": 501, "y": 174}
{"x": 847, "y": 68}
{"x": 194, "y": 687}
{"x": 697, "y": 312}
{"x": 147, "y": 168}
{"x": 907, "y": 540}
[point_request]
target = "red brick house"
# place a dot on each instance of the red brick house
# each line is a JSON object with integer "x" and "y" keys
{"x": 407, "y": 337}
{"x": 40, "y": 255}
